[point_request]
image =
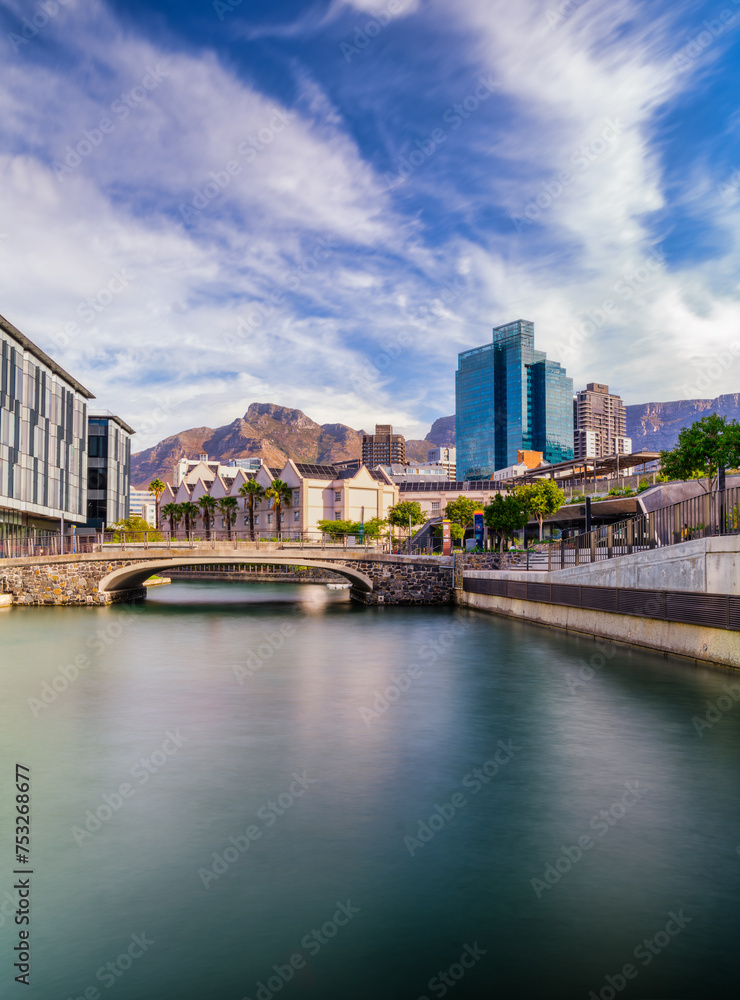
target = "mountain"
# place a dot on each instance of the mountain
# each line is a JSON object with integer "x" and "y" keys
{"x": 443, "y": 432}
{"x": 655, "y": 426}
{"x": 276, "y": 433}
{"x": 273, "y": 433}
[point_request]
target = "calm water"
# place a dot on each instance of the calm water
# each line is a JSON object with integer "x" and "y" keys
{"x": 343, "y": 863}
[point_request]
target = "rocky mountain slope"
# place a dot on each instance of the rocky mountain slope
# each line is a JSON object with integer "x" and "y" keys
{"x": 274, "y": 433}
{"x": 656, "y": 425}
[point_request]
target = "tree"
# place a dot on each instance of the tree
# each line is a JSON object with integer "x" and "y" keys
{"x": 190, "y": 512}
{"x": 702, "y": 449}
{"x": 157, "y": 488}
{"x": 134, "y": 529}
{"x": 207, "y": 506}
{"x": 406, "y": 514}
{"x": 254, "y": 494}
{"x": 505, "y": 515}
{"x": 279, "y": 493}
{"x": 338, "y": 529}
{"x": 541, "y": 498}
{"x": 229, "y": 507}
{"x": 461, "y": 512}
{"x": 173, "y": 512}
{"x": 373, "y": 527}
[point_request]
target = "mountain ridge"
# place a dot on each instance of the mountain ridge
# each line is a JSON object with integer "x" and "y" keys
{"x": 276, "y": 433}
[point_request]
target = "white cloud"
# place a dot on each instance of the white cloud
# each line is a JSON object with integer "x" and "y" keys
{"x": 367, "y": 310}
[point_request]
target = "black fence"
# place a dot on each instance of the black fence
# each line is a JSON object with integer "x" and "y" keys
{"x": 713, "y": 610}
{"x": 710, "y": 514}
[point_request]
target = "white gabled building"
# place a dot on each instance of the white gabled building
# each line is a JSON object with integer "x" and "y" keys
{"x": 318, "y": 492}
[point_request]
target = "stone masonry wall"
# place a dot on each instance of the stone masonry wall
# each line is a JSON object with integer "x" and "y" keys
{"x": 64, "y": 583}
{"x": 412, "y": 582}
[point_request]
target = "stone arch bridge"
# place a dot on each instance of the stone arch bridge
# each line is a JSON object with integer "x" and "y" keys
{"x": 100, "y": 578}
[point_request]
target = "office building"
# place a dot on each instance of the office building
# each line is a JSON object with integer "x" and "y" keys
{"x": 599, "y": 423}
{"x": 446, "y": 457}
{"x": 141, "y": 503}
{"x": 43, "y": 432}
{"x": 383, "y": 447}
{"x": 109, "y": 469}
{"x": 510, "y": 398}
{"x": 526, "y": 461}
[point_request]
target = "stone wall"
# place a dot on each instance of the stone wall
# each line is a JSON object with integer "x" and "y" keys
{"x": 63, "y": 583}
{"x": 291, "y": 574}
{"x": 406, "y": 580}
{"x": 74, "y": 580}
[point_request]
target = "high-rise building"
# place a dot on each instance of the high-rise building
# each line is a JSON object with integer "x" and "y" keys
{"x": 445, "y": 457}
{"x": 383, "y": 447}
{"x": 109, "y": 469}
{"x": 510, "y": 398}
{"x": 599, "y": 423}
{"x": 43, "y": 426}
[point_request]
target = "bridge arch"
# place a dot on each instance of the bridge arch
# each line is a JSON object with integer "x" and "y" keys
{"x": 133, "y": 577}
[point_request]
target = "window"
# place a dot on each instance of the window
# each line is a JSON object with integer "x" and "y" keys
{"x": 246, "y": 519}
{"x": 97, "y": 447}
{"x": 269, "y": 518}
{"x": 97, "y": 479}
{"x": 256, "y": 519}
{"x": 296, "y": 496}
{"x": 296, "y": 515}
{"x": 337, "y": 496}
{"x": 435, "y": 504}
{"x": 337, "y": 515}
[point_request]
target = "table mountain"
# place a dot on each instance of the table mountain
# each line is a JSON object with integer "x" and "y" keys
{"x": 273, "y": 433}
{"x": 655, "y": 426}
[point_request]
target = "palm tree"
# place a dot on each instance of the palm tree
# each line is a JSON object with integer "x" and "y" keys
{"x": 190, "y": 512}
{"x": 173, "y": 512}
{"x": 157, "y": 488}
{"x": 254, "y": 493}
{"x": 208, "y": 506}
{"x": 228, "y": 507}
{"x": 280, "y": 493}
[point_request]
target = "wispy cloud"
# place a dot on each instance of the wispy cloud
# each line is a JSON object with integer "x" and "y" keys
{"x": 237, "y": 205}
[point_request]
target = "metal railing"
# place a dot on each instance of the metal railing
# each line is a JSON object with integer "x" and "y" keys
{"x": 48, "y": 544}
{"x": 710, "y": 514}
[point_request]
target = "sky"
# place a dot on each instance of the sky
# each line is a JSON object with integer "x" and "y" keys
{"x": 319, "y": 204}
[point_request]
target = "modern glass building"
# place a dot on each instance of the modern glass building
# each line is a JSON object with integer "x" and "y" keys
{"x": 109, "y": 469}
{"x": 43, "y": 432}
{"x": 509, "y": 397}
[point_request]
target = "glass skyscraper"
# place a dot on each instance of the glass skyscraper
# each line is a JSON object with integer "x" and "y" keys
{"x": 510, "y": 397}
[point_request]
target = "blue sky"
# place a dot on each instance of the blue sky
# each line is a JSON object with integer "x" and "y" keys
{"x": 319, "y": 204}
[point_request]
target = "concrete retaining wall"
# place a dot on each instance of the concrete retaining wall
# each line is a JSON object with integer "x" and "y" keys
{"x": 698, "y": 642}
{"x": 703, "y": 565}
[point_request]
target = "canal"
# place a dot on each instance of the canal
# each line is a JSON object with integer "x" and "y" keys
{"x": 259, "y": 790}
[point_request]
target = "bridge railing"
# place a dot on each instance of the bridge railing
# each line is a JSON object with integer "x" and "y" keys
{"x": 704, "y": 516}
{"x": 49, "y": 544}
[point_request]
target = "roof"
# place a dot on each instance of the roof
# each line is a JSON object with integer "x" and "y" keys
{"x": 275, "y": 473}
{"x": 28, "y": 345}
{"x": 447, "y": 485}
{"x": 319, "y": 471}
{"x": 107, "y": 415}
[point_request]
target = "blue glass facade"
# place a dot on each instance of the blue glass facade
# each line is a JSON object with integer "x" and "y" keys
{"x": 510, "y": 397}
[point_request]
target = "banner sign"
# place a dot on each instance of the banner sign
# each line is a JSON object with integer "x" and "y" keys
{"x": 478, "y": 528}
{"x": 446, "y": 539}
